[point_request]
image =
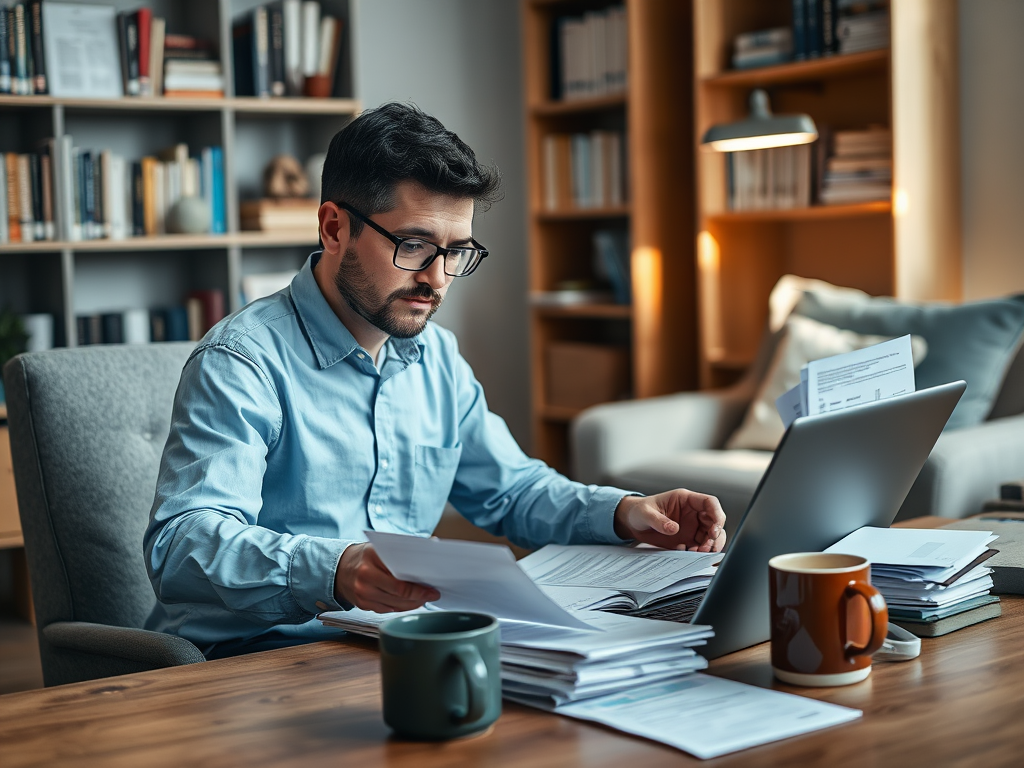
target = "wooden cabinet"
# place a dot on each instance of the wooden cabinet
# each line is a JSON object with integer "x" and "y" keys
{"x": 908, "y": 247}
{"x": 657, "y": 329}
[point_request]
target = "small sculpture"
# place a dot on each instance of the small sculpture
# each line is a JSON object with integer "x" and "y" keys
{"x": 189, "y": 216}
{"x": 284, "y": 177}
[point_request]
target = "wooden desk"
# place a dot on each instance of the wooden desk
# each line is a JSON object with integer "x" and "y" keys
{"x": 960, "y": 703}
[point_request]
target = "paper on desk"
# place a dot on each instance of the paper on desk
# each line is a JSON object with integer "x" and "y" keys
{"x": 708, "y": 716}
{"x": 915, "y": 547}
{"x": 853, "y": 378}
{"x": 627, "y": 569}
{"x": 471, "y": 577}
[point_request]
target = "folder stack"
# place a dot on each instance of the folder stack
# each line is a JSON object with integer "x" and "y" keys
{"x": 547, "y": 666}
{"x": 934, "y": 581}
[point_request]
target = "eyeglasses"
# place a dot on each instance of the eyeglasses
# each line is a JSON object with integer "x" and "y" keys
{"x": 414, "y": 254}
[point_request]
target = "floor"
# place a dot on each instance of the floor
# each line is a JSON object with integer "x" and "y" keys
{"x": 19, "y": 655}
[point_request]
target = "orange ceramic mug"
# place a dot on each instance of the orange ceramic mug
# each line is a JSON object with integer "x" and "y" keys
{"x": 826, "y": 618}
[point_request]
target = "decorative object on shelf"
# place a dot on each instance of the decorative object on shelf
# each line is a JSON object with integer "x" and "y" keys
{"x": 315, "y": 172}
{"x": 762, "y": 48}
{"x": 189, "y": 216}
{"x": 760, "y": 130}
{"x": 284, "y": 177}
{"x": 81, "y": 46}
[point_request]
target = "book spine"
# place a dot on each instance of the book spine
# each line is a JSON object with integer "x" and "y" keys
{"x": 157, "y": 31}
{"x": 261, "y": 51}
{"x": 812, "y": 28}
{"x": 36, "y": 181}
{"x": 799, "y": 30}
{"x": 122, "y": 41}
{"x": 13, "y": 212}
{"x": 5, "y": 234}
{"x": 132, "y": 40}
{"x": 242, "y": 56}
{"x": 46, "y": 175}
{"x": 310, "y": 37}
{"x": 138, "y": 200}
{"x": 292, "y": 15}
{"x": 219, "y": 210}
{"x": 22, "y": 86}
{"x": 277, "y": 75}
{"x": 829, "y": 17}
{"x": 143, "y": 22}
{"x": 5, "y": 56}
{"x": 28, "y": 229}
{"x": 38, "y": 57}
{"x": 112, "y": 328}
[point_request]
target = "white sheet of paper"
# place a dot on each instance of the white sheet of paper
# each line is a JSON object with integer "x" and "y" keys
{"x": 471, "y": 577}
{"x": 915, "y": 547}
{"x": 862, "y": 376}
{"x": 635, "y": 569}
{"x": 80, "y": 43}
{"x": 707, "y": 716}
{"x": 789, "y": 405}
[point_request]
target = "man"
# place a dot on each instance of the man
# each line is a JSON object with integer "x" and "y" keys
{"x": 334, "y": 406}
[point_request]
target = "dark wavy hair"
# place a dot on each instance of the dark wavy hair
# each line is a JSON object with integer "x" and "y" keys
{"x": 397, "y": 142}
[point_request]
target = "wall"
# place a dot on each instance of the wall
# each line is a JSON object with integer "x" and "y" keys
{"x": 460, "y": 61}
{"x": 992, "y": 136}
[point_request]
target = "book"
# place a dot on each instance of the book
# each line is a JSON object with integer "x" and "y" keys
{"x": 209, "y": 306}
{"x": 5, "y": 234}
{"x": 128, "y": 34}
{"x": 243, "y": 43}
{"x": 13, "y": 211}
{"x": 799, "y": 10}
{"x": 22, "y": 83}
{"x": 5, "y": 54}
{"x": 274, "y": 215}
{"x": 143, "y": 23}
{"x": 1008, "y": 565}
{"x": 25, "y": 214}
{"x": 276, "y": 46}
{"x": 310, "y": 37}
{"x": 36, "y": 186}
{"x": 612, "y": 262}
{"x": 157, "y": 30}
{"x": 936, "y": 627}
{"x": 292, "y": 24}
{"x": 46, "y": 177}
{"x": 39, "y": 85}
{"x": 112, "y": 328}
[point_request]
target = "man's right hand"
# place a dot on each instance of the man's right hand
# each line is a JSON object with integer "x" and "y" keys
{"x": 363, "y": 580}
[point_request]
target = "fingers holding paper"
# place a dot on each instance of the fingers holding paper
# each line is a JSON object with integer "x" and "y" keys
{"x": 363, "y": 580}
{"x": 678, "y": 519}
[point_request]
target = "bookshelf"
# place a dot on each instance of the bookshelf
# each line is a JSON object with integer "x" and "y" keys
{"x": 90, "y": 276}
{"x": 908, "y": 247}
{"x": 658, "y": 328}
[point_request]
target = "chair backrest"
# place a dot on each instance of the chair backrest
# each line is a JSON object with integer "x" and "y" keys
{"x": 1010, "y": 400}
{"x": 87, "y": 429}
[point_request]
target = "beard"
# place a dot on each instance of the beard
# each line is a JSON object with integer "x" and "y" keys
{"x": 385, "y": 313}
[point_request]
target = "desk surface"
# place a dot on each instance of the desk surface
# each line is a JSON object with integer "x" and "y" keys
{"x": 961, "y": 702}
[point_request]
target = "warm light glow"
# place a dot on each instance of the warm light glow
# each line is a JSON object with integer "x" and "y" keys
{"x": 769, "y": 141}
{"x": 900, "y": 203}
{"x": 647, "y": 280}
{"x": 709, "y": 261}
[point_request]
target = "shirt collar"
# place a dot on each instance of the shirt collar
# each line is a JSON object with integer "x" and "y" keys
{"x": 330, "y": 339}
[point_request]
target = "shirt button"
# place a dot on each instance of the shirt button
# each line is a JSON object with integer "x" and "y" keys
{"x": 384, "y": 463}
{"x": 378, "y": 509}
{"x": 360, "y": 355}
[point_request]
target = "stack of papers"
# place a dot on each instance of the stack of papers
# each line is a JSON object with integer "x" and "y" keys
{"x": 546, "y": 666}
{"x": 934, "y": 581}
{"x": 853, "y": 378}
{"x": 637, "y": 581}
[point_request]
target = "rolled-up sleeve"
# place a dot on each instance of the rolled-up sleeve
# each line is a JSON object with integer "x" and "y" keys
{"x": 204, "y": 543}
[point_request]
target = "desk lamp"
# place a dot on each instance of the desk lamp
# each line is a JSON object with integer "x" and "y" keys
{"x": 760, "y": 130}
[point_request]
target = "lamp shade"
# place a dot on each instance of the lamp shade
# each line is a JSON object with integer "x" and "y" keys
{"x": 761, "y": 130}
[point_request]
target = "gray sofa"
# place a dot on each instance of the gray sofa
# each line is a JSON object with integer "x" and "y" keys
{"x": 674, "y": 441}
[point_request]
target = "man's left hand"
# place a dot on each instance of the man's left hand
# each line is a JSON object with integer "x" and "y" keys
{"x": 678, "y": 519}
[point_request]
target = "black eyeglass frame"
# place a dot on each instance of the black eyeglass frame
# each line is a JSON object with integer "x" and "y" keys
{"x": 441, "y": 251}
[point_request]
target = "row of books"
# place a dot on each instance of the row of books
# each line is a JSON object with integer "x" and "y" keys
{"x": 589, "y": 54}
{"x": 22, "y": 60}
{"x": 279, "y": 48}
{"x": 186, "y": 322}
{"x": 819, "y": 28}
{"x": 769, "y": 178}
{"x": 584, "y": 170}
{"x": 859, "y": 167}
{"x": 62, "y": 192}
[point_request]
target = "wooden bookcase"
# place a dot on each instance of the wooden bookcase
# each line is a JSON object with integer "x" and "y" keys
{"x": 908, "y": 247}
{"x": 90, "y": 276}
{"x": 659, "y": 326}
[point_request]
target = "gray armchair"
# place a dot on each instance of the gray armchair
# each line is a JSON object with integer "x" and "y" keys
{"x": 87, "y": 429}
{"x": 677, "y": 441}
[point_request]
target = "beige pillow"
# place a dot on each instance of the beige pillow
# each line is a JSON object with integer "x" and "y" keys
{"x": 803, "y": 340}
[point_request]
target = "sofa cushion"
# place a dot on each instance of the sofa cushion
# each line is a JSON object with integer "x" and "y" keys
{"x": 974, "y": 342}
{"x": 732, "y": 476}
{"x": 803, "y": 340}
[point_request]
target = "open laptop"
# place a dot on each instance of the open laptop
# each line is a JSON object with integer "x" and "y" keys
{"x": 830, "y": 475}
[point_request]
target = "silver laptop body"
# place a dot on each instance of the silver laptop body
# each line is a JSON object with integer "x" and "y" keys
{"x": 830, "y": 475}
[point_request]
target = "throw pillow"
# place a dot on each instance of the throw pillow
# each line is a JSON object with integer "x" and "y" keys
{"x": 975, "y": 342}
{"x": 803, "y": 340}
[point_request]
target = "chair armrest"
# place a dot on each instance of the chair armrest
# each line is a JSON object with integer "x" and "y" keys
{"x": 139, "y": 645}
{"x": 966, "y": 468}
{"x": 609, "y": 438}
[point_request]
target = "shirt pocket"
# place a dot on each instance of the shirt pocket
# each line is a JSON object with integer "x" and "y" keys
{"x": 434, "y": 475}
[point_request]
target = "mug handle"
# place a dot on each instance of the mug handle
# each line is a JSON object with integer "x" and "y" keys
{"x": 879, "y": 617}
{"x": 474, "y": 671}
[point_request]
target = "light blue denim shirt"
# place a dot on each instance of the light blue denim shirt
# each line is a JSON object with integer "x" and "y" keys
{"x": 287, "y": 443}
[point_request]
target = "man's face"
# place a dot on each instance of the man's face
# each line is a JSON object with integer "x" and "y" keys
{"x": 398, "y": 302}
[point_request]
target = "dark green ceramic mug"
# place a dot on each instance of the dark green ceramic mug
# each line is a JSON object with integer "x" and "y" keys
{"x": 440, "y": 673}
